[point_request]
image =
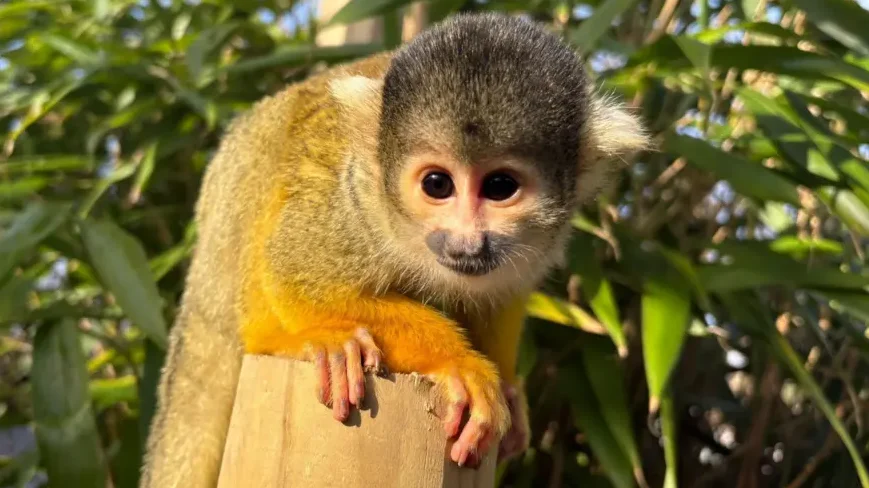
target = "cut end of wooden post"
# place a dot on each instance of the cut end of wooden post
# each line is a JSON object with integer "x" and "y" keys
{"x": 281, "y": 436}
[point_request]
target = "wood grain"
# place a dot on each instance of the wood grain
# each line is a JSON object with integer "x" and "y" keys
{"x": 280, "y": 436}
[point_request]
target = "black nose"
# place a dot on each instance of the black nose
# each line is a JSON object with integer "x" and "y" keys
{"x": 466, "y": 247}
{"x": 442, "y": 243}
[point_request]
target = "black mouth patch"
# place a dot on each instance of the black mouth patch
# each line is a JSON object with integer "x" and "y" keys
{"x": 473, "y": 255}
{"x": 468, "y": 266}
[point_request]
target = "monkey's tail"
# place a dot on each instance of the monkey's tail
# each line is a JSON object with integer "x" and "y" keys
{"x": 194, "y": 399}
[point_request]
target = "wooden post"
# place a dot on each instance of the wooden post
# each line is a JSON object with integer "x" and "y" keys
{"x": 280, "y": 436}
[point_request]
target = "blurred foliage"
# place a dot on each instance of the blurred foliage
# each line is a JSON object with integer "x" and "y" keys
{"x": 708, "y": 331}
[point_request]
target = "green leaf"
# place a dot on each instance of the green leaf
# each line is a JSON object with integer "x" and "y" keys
{"x": 206, "y": 42}
{"x": 180, "y": 25}
{"x": 165, "y": 262}
{"x": 853, "y": 303}
{"x": 783, "y": 60}
{"x": 606, "y": 379}
{"x": 8, "y": 9}
{"x": 120, "y": 173}
{"x": 13, "y": 300}
{"x": 801, "y": 248}
{"x": 36, "y": 222}
{"x": 76, "y": 51}
{"x": 750, "y": 179}
{"x": 754, "y": 264}
{"x": 848, "y": 206}
{"x": 698, "y": 53}
{"x": 596, "y": 289}
{"x": 670, "y": 434}
{"x": 21, "y": 188}
{"x": 574, "y": 384}
{"x": 126, "y": 461}
{"x": 357, "y": 10}
{"x": 34, "y": 164}
{"x": 756, "y": 29}
{"x": 791, "y": 61}
{"x": 42, "y": 104}
{"x": 122, "y": 266}
{"x": 144, "y": 171}
{"x": 155, "y": 357}
{"x": 294, "y": 55}
{"x": 666, "y": 307}
{"x": 106, "y": 392}
{"x": 64, "y": 423}
{"x": 559, "y": 311}
{"x": 441, "y": 9}
{"x": 593, "y": 28}
{"x": 842, "y": 20}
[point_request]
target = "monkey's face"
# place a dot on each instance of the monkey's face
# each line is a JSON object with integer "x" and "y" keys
{"x": 485, "y": 224}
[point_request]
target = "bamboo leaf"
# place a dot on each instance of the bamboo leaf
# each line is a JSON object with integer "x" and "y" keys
{"x": 670, "y": 434}
{"x": 576, "y": 387}
{"x": 666, "y": 306}
{"x": 559, "y": 311}
{"x": 29, "y": 228}
{"x": 64, "y": 423}
{"x": 842, "y": 20}
{"x": 109, "y": 391}
{"x": 120, "y": 262}
{"x": 854, "y": 303}
{"x": 748, "y": 178}
{"x": 607, "y": 381}
{"x": 357, "y": 10}
{"x": 593, "y": 28}
{"x": 596, "y": 289}
{"x": 73, "y": 49}
{"x": 155, "y": 357}
{"x": 206, "y": 42}
{"x": 294, "y": 55}
{"x": 754, "y": 264}
{"x": 34, "y": 164}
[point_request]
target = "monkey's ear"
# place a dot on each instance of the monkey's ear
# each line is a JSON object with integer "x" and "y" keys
{"x": 359, "y": 103}
{"x": 610, "y": 136}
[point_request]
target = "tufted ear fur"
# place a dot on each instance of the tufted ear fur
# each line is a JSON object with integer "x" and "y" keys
{"x": 610, "y": 136}
{"x": 359, "y": 102}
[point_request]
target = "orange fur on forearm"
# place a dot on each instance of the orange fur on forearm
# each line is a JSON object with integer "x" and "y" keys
{"x": 413, "y": 337}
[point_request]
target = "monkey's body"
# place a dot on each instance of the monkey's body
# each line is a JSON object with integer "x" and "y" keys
{"x": 268, "y": 157}
{"x": 295, "y": 256}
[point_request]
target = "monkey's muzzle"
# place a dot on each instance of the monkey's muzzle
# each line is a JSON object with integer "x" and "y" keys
{"x": 473, "y": 255}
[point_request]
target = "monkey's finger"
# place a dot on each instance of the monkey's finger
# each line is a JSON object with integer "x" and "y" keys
{"x": 355, "y": 380}
{"x": 370, "y": 352}
{"x": 340, "y": 403}
{"x": 469, "y": 442}
{"x": 458, "y": 401}
{"x": 321, "y": 365}
{"x": 475, "y": 458}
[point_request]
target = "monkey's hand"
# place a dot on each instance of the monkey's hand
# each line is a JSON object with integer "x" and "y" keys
{"x": 516, "y": 440}
{"x": 473, "y": 384}
{"x": 414, "y": 339}
{"x": 340, "y": 370}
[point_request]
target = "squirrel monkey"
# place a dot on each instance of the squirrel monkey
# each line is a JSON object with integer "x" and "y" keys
{"x": 393, "y": 212}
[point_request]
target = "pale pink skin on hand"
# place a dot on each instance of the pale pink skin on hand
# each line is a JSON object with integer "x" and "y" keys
{"x": 341, "y": 381}
{"x": 341, "y": 384}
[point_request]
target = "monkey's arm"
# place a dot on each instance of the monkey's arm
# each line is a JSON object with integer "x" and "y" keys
{"x": 413, "y": 337}
{"x": 498, "y": 338}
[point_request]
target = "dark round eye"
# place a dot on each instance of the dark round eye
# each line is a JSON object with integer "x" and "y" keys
{"x": 499, "y": 186}
{"x": 437, "y": 185}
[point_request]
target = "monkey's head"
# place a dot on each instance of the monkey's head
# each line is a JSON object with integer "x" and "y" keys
{"x": 484, "y": 134}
